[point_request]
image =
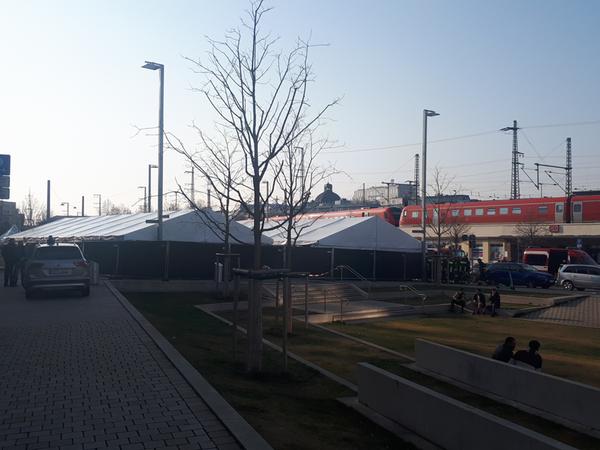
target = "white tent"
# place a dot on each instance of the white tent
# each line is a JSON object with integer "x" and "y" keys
{"x": 10, "y": 232}
{"x": 356, "y": 233}
{"x": 183, "y": 226}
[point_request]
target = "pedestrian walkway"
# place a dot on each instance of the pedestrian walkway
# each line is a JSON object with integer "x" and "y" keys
{"x": 584, "y": 312}
{"x": 81, "y": 373}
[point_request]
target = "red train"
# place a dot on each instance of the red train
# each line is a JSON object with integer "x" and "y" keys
{"x": 574, "y": 209}
{"x": 389, "y": 214}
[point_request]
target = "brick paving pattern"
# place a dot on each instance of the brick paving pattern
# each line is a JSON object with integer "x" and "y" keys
{"x": 584, "y": 312}
{"x": 80, "y": 373}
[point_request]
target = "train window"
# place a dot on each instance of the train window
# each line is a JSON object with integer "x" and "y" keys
{"x": 543, "y": 209}
{"x": 559, "y": 207}
{"x": 415, "y": 214}
{"x": 455, "y": 212}
{"x": 479, "y": 211}
{"x": 503, "y": 211}
{"x": 516, "y": 210}
{"x": 491, "y": 212}
{"x": 467, "y": 212}
{"x": 577, "y": 207}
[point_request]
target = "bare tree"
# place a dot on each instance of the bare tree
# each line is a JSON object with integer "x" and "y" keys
{"x": 529, "y": 232}
{"x": 456, "y": 231}
{"x": 441, "y": 222}
{"x": 299, "y": 174}
{"x": 110, "y": 209}
{"x": 33, "y": 211}
{"x": 220, "y": 163}
{"x": 259, "y": 95}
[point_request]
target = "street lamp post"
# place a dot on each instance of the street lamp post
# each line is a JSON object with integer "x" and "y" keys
{"x": 144, "y": 188}
{"x": 161, "y": 69}
{"x": 66, "y": 203}
{"x": 149, "y": 203}
{"x": 426, "y": 113}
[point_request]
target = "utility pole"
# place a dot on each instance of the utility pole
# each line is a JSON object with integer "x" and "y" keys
{"x": 145, "y": 198}
{"x": 150, "y": 167}
{"x": 388, "y": 184}
{"x": 48, "y": 201}
{"x": 514, "y": 182}
{"x": 192, "y": 188}
{"x": 364, "y": 195}
{"x": 416, "y": 179}
{"x": 569, "y": 170}
{"x": 82, "y": 206}
{"x": 99, "y": 203}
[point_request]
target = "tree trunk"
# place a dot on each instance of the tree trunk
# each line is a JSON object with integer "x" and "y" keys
{"x": 254, "y": 361}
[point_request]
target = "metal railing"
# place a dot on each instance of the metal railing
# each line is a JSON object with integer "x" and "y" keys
{"x": 406, "y": 287}
{"x": 356, "y": 275}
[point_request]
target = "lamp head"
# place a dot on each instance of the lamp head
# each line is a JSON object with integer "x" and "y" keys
{"x": 152, "y": 65}
{"x": 430, "y": 113}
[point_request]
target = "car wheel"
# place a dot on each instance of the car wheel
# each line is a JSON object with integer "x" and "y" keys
{"x": 568, "y": 285}
{"x": 85, "y": 292}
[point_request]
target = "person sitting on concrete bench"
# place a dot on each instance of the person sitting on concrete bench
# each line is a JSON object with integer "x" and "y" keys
{"x": 479, "y": 302}
{"x": 504, "y": 352}
{"x": 458, "y": 299}
{"x": 530, "y": 357}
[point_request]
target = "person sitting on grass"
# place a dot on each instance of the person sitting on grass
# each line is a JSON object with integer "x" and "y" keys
{"x": 531, "y": 356}
{"x": 479, "y": 302}
{"x": 494, "y": 302}
{"x": 504, "y": 352}
{"x": 458, "y": 299}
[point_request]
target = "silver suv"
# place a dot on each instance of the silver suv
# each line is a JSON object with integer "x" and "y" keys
{"x": 578, "y": 276}
{"x": 59, "y": 266}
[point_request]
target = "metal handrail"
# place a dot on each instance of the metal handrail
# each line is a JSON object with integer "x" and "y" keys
{"x": 412, "y": 289}
{"x": 356, "y": 274}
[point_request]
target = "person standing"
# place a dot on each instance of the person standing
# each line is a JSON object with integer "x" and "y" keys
{"x": 479, "y": 302}
{"x": 9, "y": 254}
{"x": 495, "y": 301}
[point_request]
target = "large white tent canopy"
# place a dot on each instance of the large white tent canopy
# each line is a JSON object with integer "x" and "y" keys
{"x": 183, "y": 226}
{"x": 355, "y": 233}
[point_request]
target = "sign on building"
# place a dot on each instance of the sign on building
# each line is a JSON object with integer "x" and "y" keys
{"x": 4, "y": 177}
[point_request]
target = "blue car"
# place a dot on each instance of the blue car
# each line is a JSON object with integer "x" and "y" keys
{"x": 516, "y": 274}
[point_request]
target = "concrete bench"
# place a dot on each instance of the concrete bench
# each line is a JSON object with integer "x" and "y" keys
{"x": 574, "y": 403}
{"x": 442, "y": 420}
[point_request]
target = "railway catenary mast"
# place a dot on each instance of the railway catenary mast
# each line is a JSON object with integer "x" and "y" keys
{"x": 514, "y": 182}
{"x": 569, "y": 170}
{"x": 416, "y": 179}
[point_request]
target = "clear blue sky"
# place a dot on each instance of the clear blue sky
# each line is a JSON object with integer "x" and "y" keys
{"x": 71, "y": 87}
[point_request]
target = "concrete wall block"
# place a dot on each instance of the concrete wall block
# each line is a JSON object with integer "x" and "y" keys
{"x": 440, "y": 419}
{"x": 575, "y": 402}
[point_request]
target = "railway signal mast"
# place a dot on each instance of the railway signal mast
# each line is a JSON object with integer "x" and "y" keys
{"x": 568, "y": 173}
{"x": 514, "y": 183}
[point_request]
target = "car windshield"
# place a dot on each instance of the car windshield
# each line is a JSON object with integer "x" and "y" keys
{"x": 529, "y": 268}
{"x": 49, "y": 253}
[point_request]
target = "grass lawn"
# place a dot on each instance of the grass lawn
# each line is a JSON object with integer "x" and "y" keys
{"x": 568, "y": 352}
{"x": 294, "y": 411}
{"x": 340, "y": 356}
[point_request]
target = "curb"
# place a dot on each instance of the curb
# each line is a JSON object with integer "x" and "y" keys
{"x": 243, "y": 432}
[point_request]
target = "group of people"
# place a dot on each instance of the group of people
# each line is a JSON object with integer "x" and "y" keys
{"x": 13, "y": 255}
{"x": 531, "y": 357}
{"x": 479, "y": 302}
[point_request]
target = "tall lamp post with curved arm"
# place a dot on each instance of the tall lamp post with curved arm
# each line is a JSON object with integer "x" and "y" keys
{"x": 426, "y": 113}
{"x": 161, "y": 70}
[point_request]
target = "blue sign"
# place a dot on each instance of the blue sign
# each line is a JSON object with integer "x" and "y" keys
{"x": 4, "y": 165}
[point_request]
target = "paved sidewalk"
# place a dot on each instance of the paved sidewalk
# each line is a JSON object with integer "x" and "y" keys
{"x": 584, "y": 313}
{"x": 80, "y": 373}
